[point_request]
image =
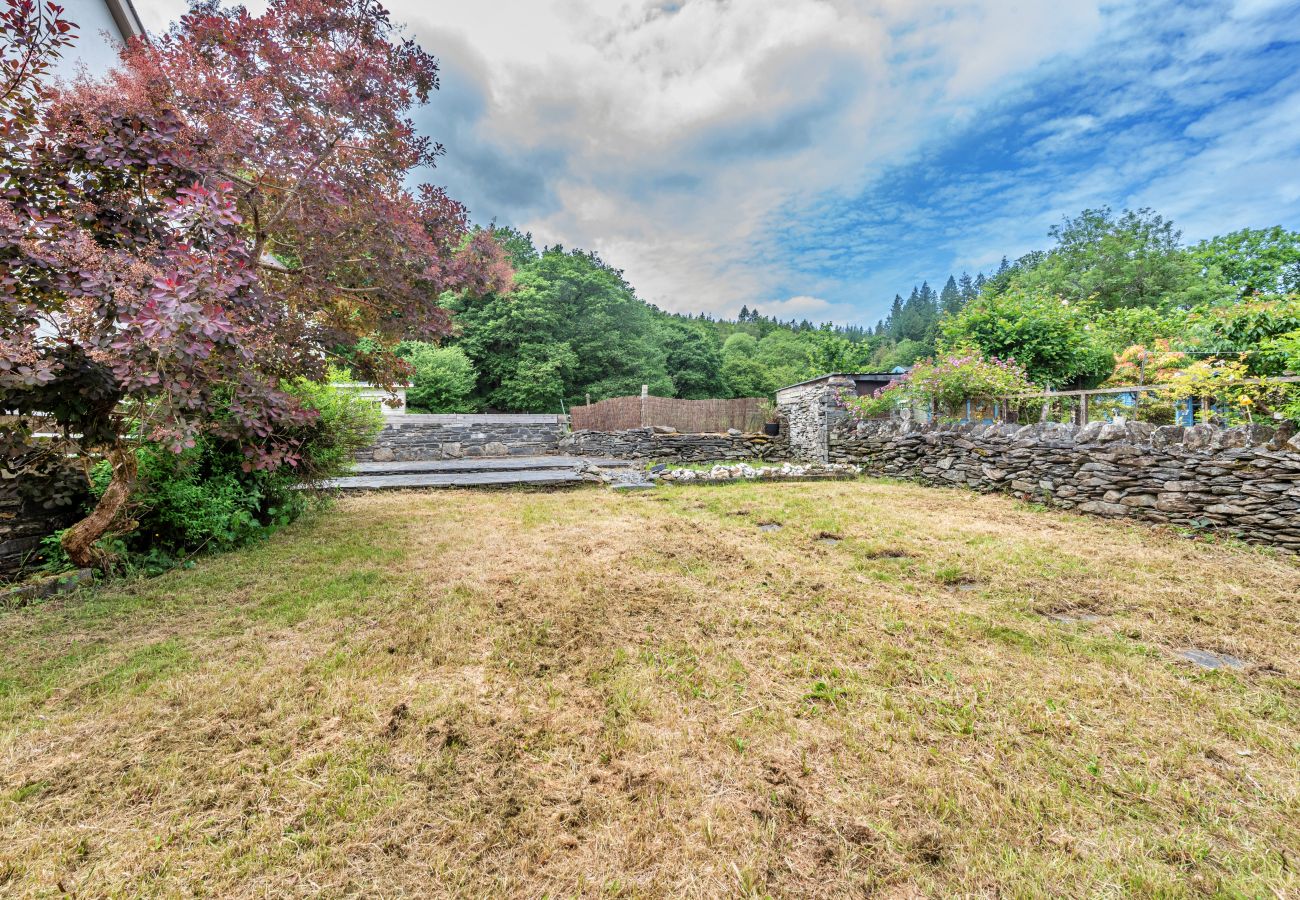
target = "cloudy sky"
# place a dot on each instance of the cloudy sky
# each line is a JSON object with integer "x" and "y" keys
{"x": 812, "y": 157}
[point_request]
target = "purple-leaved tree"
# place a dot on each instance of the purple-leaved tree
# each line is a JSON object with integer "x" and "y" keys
{"x": 218, "y": 216}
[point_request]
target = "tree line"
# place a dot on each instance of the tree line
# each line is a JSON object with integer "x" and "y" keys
{"x": 572, "y": 329}
{"x": 1112, "y": 291}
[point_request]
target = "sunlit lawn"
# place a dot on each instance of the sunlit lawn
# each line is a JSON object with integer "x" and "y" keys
{"x": 584, "y": 693}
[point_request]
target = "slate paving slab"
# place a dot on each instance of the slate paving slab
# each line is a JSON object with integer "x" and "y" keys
{"x": 488, "y": 464}
{"x": 454, "y": 479}
{"x": 480, "y": 472}
{"x": 1208, "y": 659}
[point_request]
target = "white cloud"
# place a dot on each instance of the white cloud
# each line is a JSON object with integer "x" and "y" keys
{"x": 815, "y": 309}
{"x": 682, "y": 133}
{"x": 674, "y": 138}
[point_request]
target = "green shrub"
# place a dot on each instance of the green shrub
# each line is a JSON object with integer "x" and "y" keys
{"x": 1287, "y": 349}
{"x": 1237, "y": 399}
{"x": 346, "y": 424}
{"x": 443, "y": 381}
{"x": 1054, "y": 341}
{"x": 202, "y": 500}
{"x": 1254, "y": 330}
{"x": 946, "y": 384}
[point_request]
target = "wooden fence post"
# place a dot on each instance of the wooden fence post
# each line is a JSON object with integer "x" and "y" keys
{"x": 645, "y": 392}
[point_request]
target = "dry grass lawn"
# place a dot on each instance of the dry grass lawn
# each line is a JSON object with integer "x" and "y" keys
{"x": 588, "y": 694}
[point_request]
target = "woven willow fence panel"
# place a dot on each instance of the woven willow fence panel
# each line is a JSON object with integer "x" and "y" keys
{"x": 688, "y": 416}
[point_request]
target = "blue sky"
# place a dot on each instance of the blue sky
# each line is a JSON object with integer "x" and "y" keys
{"x": 1175, "y": 107}
{"x": 812, "y": 157}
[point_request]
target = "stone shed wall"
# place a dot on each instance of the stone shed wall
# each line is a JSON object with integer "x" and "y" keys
{"x": 1245, "y": 481}
{"x": 807, "y": 413}
{"x": 432, "y": 437}
{"x": 648, "y": 443}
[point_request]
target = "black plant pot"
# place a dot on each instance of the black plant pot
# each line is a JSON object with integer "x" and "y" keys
{"x": 772, "y": 429}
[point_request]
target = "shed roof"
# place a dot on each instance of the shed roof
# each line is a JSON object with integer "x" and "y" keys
{"x": 856, "y": 376}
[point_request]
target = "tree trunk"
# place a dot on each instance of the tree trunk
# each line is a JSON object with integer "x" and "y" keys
{"x": 108, "y": 514}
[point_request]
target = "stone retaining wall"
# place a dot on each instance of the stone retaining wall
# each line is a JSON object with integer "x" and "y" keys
{"x": 650, "y": 443}
{"x": 1244, "y": 481}
{"x": 23, "y": 524}
{"x": 431, "y": 437}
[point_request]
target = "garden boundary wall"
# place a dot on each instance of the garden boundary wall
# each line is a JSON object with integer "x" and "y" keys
{"x": 414, "y": 437}
{"x": 673, "y": 447}
{"x": 1242, "y": 481}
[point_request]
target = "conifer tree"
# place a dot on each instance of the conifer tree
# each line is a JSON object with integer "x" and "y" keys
{"x": 967, "y": 288}
{"x": 894, "y": 320}
{"x": 950, "y": 301}
{"x": 929, "y": 302}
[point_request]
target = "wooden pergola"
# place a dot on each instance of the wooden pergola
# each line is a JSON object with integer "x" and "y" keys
{"x": 1082, "y": 396}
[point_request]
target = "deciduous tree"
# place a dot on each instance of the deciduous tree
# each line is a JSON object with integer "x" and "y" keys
{"x": 1131, "y": 260}
{"x": 571, "y": 326}
{"x": 694, "y": 358}
{"x": 181, "y": 239}
{"x": 1053, "y": 340}
{"x": 1254, "y": 260}
{"x": 306, "y": 108}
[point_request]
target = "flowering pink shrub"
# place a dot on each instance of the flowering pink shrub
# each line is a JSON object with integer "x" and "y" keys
{"x": 946, "y": 383}
{"x": 878, "y": 404}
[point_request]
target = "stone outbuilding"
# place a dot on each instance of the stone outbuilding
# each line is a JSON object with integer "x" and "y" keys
{"x": 809, "y": 409}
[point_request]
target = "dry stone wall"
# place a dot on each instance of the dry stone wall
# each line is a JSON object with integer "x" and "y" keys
{"x": 1244, "y": 481}
{"x": 23, "y": 524}
{"x": 658, "y": 444}
{"x": 411, "y": 438}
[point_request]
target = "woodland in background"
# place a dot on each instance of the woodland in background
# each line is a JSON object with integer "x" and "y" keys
{"x": 1117, "y": 299}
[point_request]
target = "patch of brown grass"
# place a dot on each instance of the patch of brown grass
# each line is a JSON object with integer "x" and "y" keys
{"x": 582, "y": 693}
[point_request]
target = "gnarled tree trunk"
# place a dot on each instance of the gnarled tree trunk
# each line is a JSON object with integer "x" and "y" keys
{"x": 107, "y": 516}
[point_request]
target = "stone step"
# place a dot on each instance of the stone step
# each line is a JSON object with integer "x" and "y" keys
{"x": 487, "y": 464}
{"x": 472, "y": 419}
{"x": 422, "y": 480}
